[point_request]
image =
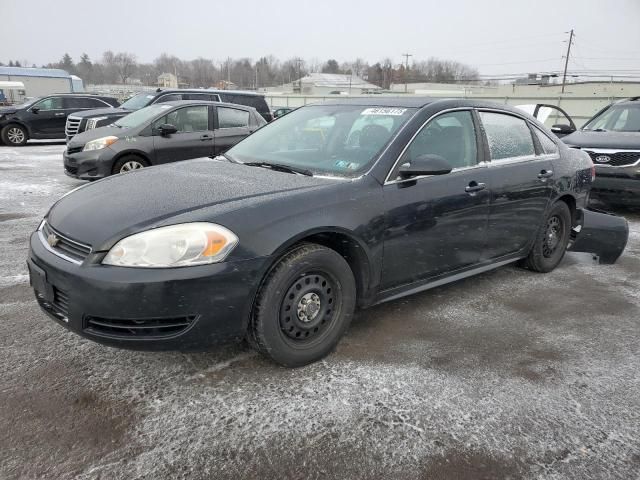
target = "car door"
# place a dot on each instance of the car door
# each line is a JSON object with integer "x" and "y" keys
{"x": 193, "y": 139}
{"x": 48, "y": 117}
{"x": 437, "y": 224}
{"x": 552, "y": 116}
{"x": 232, "y": 125}
{"x": 521, "y": 182}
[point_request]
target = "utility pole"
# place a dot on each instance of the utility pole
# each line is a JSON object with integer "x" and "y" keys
{"x": 406, "y": 69}
{"x": 566, "y": 60}
{"x": 298, "y": 61}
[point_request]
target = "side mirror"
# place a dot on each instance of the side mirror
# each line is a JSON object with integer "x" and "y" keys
{"x": 167, "y": 129}
{"x": 35, "y": 110}
{"x": 425, "y": 165}
{"x": 562, "y": 129}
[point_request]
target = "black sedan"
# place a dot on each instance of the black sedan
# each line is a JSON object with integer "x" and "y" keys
{"x": 157, "y": 134}
{"x": 335, "y": 206}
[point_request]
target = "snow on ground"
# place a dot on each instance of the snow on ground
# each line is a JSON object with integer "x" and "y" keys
{"x": 507, "y": 375}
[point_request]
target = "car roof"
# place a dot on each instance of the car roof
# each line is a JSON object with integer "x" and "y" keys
{"x": 420, "y": 102}
{"x": 205, "y": 91}
{"x": 77, "y": 94}
{"x": 177, "y": 103}
{"x": 407, "y": 102}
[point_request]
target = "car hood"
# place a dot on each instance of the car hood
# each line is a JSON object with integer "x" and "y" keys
{"x": 610, "y": 140}
{"x": 101, "y": 213}
{"x": 102, "y": 112}
{"x": 7, "y": 110}
{"x": 82, "y": 138}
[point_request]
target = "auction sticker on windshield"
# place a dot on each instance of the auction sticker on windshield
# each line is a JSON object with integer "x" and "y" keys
{"x": 384, "y": 111}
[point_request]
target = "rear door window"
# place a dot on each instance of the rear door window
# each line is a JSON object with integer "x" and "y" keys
{"x": 83, "y": 102}
{"x": 204, "y": 97}
{"x": 232, "y": 118}
{"x": 508, "y": 136}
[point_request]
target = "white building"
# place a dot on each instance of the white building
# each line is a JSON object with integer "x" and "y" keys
{"x": 328, "y": 83}
{"x": 167, "y": 80}
{"x": 42, "y": 81}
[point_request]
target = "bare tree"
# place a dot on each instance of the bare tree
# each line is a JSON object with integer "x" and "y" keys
{"x": 125, "y": 64}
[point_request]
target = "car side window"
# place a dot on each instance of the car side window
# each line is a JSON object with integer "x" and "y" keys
{"x": 169, "y": 98}
{"x": 451, "y": 136}
{"x": 508, "y": 136}
{"x": 232, "y": 117}
{"x": 187, "y": 119}
{"x": 83, "y": 102}
{"x": 201, "y": 97}
{"x": 548, "y": 145}
{"x": 51, "y": 103}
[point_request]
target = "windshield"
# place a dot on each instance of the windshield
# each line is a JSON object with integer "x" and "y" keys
{"x": 138, "y": 101}
{"x": 339, "y": 140}
{"x": 618, "y": 118}
{"x": 141, "y": 116}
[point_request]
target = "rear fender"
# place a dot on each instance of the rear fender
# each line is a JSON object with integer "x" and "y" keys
{"x": 600, "y": 233}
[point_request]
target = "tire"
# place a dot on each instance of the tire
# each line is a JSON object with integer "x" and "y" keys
{"x": 303, "y": 307}
{"x": 129, "y": 163}
{"x": 14, "y": 135}
{"x": 552, "y": 240}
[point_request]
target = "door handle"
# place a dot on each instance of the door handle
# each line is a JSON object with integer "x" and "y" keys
{"x": 545, "y": 174}
{"x": 206, "y": 137}
{"x": 474, "y": 187}
{"x": 59, "y": 114}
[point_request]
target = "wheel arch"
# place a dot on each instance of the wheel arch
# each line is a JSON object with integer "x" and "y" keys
{"x": 137, "y": 153}
{"x": 20, "y": 123}
{"x": 348, "y": 245}
{"x": 572, "y": 204}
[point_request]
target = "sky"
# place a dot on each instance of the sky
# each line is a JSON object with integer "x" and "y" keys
{"x": 498, "y": 37}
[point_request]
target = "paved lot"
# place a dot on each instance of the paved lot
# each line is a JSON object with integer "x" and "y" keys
{"x": 507, "y": 375}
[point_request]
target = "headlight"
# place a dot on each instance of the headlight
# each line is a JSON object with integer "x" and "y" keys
{"x": 92, "y": 122}
{"x": 179, "y": 245}
{"x": 100, "y": 143}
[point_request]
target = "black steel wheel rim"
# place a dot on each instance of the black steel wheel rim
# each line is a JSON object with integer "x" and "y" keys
{"x": 309, "y": 308}
{"x": 554, "y": 233}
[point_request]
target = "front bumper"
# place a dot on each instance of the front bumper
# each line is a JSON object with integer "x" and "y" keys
{"x": 189, "y": 308}
{"x": 90, "y": 165}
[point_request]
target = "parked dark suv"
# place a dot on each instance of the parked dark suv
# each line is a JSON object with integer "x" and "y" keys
{"x": 612, "y": 140}
{"x": 157, "y": 134}
{"x": 45, "y": 117}
{"x": 106, "y": 116}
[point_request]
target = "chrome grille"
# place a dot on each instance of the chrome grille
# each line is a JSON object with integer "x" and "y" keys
{"x": 63, "y": 246}
{"x": 72, "y": 127}
{"x": 616, "y": 158}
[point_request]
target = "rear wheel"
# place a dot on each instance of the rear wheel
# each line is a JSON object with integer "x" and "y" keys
{"x": 14, "y": 135}
{"x": 553, "y": 238}
{"x": 304, "y": 306}
{"x": 129, "y": 163}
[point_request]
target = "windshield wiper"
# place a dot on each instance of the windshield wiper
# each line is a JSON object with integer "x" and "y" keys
{"x": 281, "y": 168}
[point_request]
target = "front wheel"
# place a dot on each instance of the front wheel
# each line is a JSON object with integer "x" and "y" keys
{"x": 304, "y": 306}
{"x": 129, "y": 163}
{"x": 14, "y": 135}
{"x": 552, "y": 240}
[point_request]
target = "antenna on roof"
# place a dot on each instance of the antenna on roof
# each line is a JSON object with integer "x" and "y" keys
{"x": 159, "y": 89}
